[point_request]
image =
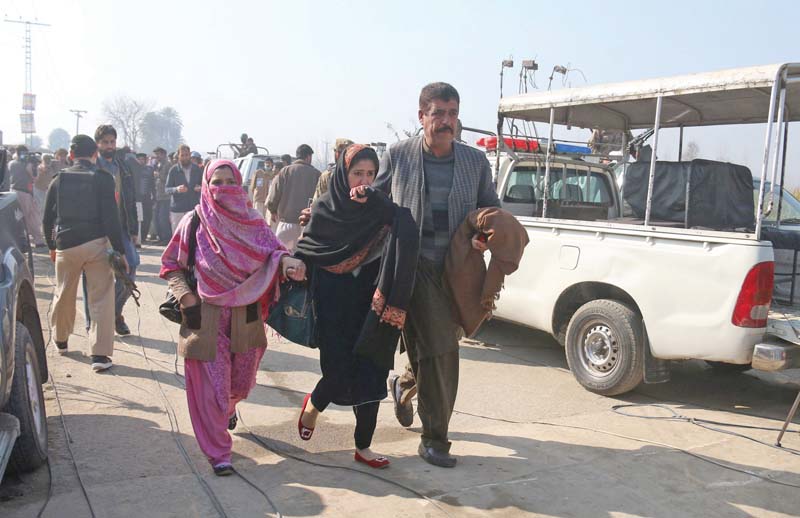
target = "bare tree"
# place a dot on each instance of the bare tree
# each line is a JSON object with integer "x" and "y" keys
{"x": 127, "y": 114}
{"x": 163, "y": 128}
{"x": 390, "y": 127}
{"x": 59, "y": 138}
{"x": 414, "y": 131}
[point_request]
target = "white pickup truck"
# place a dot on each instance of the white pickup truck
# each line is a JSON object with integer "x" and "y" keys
{"x": 678, "y": 278}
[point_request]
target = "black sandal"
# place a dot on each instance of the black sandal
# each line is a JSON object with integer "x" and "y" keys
{"x": 232, "y": 422}
{"x": 223, "y": 470}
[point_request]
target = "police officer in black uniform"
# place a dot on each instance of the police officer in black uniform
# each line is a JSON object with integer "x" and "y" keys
{"x": 81, "y": 223}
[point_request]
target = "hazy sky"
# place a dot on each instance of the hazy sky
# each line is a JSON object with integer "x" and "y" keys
{"x": 301, "y": 71}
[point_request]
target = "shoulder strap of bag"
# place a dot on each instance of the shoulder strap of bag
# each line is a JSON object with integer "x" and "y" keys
{"x": 195, "y": 223}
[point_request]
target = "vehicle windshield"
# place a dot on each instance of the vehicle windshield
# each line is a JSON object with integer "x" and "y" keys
{"x": 790, "y": 206}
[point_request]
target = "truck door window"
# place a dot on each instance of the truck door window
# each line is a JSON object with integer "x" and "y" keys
{"x": 570, "y": 184}
{"x": 521, "y": 186}
{"x": 581, "y": 185}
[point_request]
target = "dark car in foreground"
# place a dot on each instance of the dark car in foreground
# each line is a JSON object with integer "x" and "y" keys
{"x": 23, "y": 364}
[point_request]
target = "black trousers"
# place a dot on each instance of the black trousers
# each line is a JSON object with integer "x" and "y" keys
{"x": 366, "y": 413}
{"x": 147, "y": 218}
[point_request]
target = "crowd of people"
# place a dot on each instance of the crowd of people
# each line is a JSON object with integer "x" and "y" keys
{"x": 371, "y": 236}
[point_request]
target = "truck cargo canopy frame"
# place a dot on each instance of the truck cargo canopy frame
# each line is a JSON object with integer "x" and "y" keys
{"x": 734, "y": 96}
{"x": 749, "y": 95}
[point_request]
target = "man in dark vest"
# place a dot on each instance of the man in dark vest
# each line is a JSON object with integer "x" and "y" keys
{"x": 441, "y": 182}
{"x": 80, "y": 223}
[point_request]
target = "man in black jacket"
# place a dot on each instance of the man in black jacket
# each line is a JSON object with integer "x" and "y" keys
{"x": 146, "y": 193}
{"x": 163, "y": 228}
{"x": 81, "y": 221}
{"x": 183, "y": 184}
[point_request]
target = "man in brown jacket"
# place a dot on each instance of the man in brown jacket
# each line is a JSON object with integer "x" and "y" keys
{"x": 474, "y": 286}
{"x": 290, "y": 193}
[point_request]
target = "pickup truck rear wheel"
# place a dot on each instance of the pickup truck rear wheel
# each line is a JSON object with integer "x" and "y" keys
{"x": 27, "y": 404}
{"x": 604, "y": 346}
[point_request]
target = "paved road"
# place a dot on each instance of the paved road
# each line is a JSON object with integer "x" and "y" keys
{"x": 530, "y": 441}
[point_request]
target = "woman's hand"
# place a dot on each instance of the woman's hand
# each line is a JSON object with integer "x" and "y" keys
{"x": 189, "y": 300}
{"x": 359, "y": 194}
{"x": 292, "y": 268}
{"x": 479, "y": 244}
{"x": 305, "y": 216}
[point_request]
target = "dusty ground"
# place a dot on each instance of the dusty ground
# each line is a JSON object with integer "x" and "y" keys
{"x": 530, "y": 441}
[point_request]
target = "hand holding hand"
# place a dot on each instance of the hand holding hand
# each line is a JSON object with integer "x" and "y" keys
{"x": 359, "y": 194}
{"x": 197, "y": 188}
{"x": 182, "y": 188}
{"x": 292, "y": 268}
{"x": 305, "y": 216}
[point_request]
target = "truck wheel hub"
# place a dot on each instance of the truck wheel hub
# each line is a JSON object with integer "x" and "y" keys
{"x": 600, "y": 349}
{"x": 33, "y": 397}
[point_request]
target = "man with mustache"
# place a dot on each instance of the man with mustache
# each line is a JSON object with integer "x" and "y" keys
{"x": 441, "y": 181}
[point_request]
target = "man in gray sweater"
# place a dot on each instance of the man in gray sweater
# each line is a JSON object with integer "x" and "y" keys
{"x": 441, "y": 181}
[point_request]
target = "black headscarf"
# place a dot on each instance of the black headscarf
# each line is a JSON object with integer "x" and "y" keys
{"x": 340, "y": 229}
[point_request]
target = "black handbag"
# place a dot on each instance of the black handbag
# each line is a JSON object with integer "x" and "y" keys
{"x": 294, "y": 316}
{"x": 171, "y": 308}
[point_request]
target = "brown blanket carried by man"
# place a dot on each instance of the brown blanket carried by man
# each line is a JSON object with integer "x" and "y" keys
{"x": 474, "y": 287}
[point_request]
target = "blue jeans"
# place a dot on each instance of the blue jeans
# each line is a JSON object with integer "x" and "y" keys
{"x": 121, "y": 294}
{"x": 162, "y": 224}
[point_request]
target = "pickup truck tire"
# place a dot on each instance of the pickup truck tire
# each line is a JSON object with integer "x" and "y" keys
{"x": 604, "y": 346}
{"x": 27, "y": 404}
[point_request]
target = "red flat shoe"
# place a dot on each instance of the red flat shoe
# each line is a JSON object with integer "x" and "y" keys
{"x": 378, "y": 463}
{"x": 304, "y": 431}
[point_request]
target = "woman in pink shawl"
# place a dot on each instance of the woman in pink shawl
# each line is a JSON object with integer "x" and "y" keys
{"x": 238, "y": 265}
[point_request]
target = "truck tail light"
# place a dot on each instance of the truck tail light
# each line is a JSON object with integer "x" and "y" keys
{"x": 752, "y": 306}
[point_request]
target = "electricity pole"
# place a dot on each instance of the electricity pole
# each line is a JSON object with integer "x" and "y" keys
{"x": 78, "y": 117}
{"x": 28, "y": 110}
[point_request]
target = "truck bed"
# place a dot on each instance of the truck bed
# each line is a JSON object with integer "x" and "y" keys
{"x": 784, "y": 322}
